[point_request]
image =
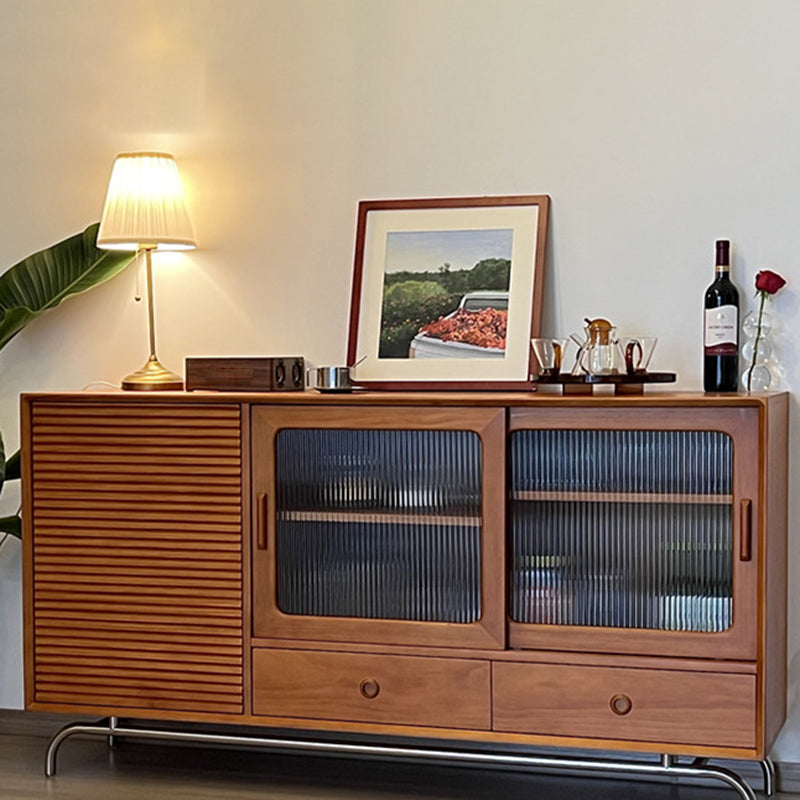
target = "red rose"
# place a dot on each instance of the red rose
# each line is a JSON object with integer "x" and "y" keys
{"x": 768, "y": 281}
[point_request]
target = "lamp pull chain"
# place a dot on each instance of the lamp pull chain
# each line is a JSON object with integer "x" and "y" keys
{"x": 138, "y": 292}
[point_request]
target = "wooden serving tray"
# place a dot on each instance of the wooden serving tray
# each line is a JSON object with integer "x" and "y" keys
{"x": 623, "y": 383}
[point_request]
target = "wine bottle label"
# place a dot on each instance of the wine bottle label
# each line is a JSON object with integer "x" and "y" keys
{"x": 721, "y": 338}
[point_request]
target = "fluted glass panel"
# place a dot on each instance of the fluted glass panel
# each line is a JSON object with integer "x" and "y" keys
{"x": 380, "y": 524}
{"x": 629, "y": 529}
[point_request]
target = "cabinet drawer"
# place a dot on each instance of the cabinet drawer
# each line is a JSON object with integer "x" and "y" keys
{"x": 435, "y": 692}
{"x": 697, "y": 708}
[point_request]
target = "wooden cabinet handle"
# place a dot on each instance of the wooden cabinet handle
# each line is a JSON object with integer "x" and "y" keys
{"x": 261, "y": 521}
{"x": 745, "y": 530}
{"x": 369, "y": 688}
{"x": 621, "y": 704}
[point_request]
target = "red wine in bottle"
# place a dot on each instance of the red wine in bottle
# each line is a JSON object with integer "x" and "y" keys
{"x": 721, "y": 345}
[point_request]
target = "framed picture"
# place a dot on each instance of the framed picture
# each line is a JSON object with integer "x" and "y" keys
{"x": 447, "y": 293}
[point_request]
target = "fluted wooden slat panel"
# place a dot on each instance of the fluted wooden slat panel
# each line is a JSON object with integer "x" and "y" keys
{"x": 138, "y": 556}
{"x": 63, "y": 634}
{"x": 123, "y": 654}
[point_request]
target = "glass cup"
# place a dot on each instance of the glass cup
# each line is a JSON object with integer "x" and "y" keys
{"x": 637, "y": 351}
{"x": 549, "y": 355}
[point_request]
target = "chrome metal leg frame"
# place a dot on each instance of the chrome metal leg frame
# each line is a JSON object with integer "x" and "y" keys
{"x": 112, "y": 725}
{"x": 768, "y": 768}
{"x": 669, "y": 766}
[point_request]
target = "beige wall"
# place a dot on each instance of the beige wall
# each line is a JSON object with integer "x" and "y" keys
{"x": 655, "y": 125}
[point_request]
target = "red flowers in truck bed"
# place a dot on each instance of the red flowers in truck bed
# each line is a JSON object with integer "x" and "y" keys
{"x": 485, "y": 328}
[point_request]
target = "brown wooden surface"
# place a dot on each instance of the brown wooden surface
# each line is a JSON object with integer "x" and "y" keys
{"x": 27, "y": 553}
{"x": 772, "y": 522}
{"x": 380, "y": 517}
{"x": 551, "y": 657}
{"x": 135, "y": 535}
{"x": 147, "y": 403}
{"x": 623, "y": 497}
{"x": 679, "y": 707}
{"x": 487, "y": 632}
{"x": 448, "y": 693}
{"x": 246, "y": 535}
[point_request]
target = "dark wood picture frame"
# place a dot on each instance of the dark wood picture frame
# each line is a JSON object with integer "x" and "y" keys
{"x": 507, "y": 237}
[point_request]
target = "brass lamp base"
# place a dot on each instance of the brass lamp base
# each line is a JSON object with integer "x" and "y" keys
{"x": 152, "y": 377}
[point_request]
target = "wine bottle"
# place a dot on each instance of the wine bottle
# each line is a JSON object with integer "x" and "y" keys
{"x": 721, "y": 345}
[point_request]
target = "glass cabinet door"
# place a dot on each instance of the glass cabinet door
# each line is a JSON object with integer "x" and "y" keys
{"x": 638, "y": 535}
{"x": 375, "y": 524}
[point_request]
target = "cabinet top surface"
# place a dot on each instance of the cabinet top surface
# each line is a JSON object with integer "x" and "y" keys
{"x": 519, "y": 399}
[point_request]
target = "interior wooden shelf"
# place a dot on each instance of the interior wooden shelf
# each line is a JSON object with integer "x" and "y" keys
{"x": 623, "y": 497}
{"x": 380, "y": 518}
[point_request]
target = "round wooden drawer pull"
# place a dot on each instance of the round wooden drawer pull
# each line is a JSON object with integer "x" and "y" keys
{"x": 621, "y": 704}
{"x": 369, "y": 688}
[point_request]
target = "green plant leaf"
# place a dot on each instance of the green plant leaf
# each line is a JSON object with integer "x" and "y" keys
{"x": 44, "y": 279}
{"x": 12, "y": 525}
{"x": 13, "y": 467}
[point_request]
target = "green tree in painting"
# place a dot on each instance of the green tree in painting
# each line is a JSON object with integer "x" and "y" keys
{"x": 455, "y": 281}
{"x": 405, "y": 307}
{"x": 491, "y": 273}
{"x": 412, "y": 292}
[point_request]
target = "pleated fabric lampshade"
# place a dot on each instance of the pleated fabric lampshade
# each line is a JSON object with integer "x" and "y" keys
{"x": 145, "y": 205}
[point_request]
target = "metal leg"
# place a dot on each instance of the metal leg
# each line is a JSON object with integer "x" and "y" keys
{"x": 102, "y": 727}
{"x": 768, "y": 768}
{"x": 699, "y": 768}
{"x": 112, "y": 725}
{"x": 668, "y": 766}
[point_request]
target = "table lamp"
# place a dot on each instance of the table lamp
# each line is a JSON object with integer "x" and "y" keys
{"x": 145, "y": 209}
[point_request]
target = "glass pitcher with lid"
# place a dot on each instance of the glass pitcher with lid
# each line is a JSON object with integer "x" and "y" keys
{"x": 600, "y": 353}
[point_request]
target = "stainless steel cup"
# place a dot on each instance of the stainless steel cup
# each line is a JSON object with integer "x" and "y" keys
{"x": 329, "y": 379}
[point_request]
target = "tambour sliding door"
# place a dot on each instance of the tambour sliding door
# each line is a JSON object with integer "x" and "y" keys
{"x": 134, "y": 596}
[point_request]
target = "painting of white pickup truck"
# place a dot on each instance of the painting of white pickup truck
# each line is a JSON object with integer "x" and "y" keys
{"x": 447, "y": 286}
{"x": 476, "y": 329}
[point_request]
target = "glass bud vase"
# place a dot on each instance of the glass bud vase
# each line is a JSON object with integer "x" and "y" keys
{"x": 759, "y": 372}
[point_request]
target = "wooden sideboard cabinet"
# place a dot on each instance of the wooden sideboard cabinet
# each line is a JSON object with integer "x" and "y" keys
{"x": 492, "y": 568}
